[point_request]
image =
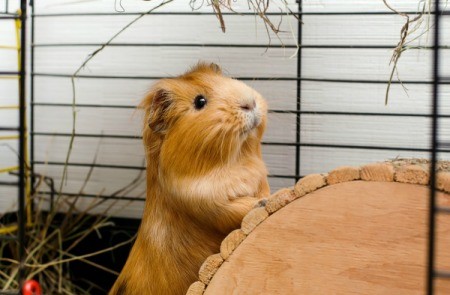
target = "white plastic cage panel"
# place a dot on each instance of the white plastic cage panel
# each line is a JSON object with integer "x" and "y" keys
{"x": 340, "y": 73}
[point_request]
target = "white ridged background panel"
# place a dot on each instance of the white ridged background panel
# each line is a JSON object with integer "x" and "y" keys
{"x": 103, "y": 181}
{"x": 91, "y": 91}
{"x": 318, "y": 160}
{"x": 375, "y": 30}
{"x": 164, "y": 61}
{"x": 365, "y": 64}
{"x": 146, "y": 61}
{"x": 114, "y": 151}
{"x": 89, "y": 120}
{"x": 370, "y": 131}
{"x": 370, "y": 98}
{"x": 160, "y": 29}
{"x": 361, "y": 6}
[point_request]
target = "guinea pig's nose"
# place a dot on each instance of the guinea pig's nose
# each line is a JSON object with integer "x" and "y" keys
{"x": 248, "y": 105}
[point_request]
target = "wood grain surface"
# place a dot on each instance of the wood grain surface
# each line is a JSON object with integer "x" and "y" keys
{"x": 350, "y": 238}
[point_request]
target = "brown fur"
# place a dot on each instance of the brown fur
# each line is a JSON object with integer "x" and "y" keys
{"x": 204, "y": 173}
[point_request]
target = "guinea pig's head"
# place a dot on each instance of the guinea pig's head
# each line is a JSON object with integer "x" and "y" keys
{"x": 202, "y": 120}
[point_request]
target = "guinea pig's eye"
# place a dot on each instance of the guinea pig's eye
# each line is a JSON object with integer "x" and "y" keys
{"x": 200, "y": 102}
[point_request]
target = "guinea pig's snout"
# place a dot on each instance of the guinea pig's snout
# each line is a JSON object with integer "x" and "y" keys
{"x": 248, "y": 105}
{"x": 250, "y": 113}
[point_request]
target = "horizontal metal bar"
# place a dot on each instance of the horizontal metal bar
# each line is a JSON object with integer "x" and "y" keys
{"x": 240, "y": 78}
{"x": 361, "y": 147}
{"x": 123, "y": 136}
{"x": 349, "y": 13}
{"x": 5, "y": 17}
{"x": 99, "y": 196}
{"x": 79, "y": 105}
{"x": 124, "y": 167}
{"x": 152, "y": 77}
{"x": 197, "y": 13}
{"x": 9, "y": 73}
{"x": 90, "y": 165}
{"x": 193, "y": 13}
{"x": 168, "y": 45}
{"x": 355, "y": 114}
{"x": 443, "y": 209}
{"x": 270, "y": 111}
{"x": 442, "y": 274}
{"x": 9, "y": 183}
{"x": 86, "y": 135}
{"x": 364, "y": 81}
{"x": 127, "y": 198}
{"x": 229, "y": 45}
{"x": 9, "y": 129}
{"x": 108, "y": 166}
{"x": 264, "y": 143}
{"x": 55, "y": 75}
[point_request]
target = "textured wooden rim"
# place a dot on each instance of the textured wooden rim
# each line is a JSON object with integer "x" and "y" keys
{"x": 411, "y": 171}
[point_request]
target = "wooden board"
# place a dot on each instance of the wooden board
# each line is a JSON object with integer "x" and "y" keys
{"x": 355, "y": 237}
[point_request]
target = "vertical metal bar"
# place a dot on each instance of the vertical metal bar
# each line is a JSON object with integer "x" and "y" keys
{"x": 22, "y": 147}
{"x": 299, "y": 92}
{"x": 434, "y": 146}
{"x": 31, "y": 134}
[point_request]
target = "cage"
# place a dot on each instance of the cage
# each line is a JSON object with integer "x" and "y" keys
{"x": 335, "y": 98}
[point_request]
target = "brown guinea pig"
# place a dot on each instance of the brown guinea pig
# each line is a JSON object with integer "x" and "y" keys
{"x": 202, "y": 138}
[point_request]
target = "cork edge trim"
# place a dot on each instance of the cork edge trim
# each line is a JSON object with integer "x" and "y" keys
{"x": 408, "y": 171}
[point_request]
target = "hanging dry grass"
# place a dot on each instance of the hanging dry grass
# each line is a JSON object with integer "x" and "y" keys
{"x": 258, "y": 7}
{"x": 412, "y": 24}
{"x": 415, "y": 26}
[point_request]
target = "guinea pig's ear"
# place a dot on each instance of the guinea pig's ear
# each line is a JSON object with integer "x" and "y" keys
{"x": 157, "y": 118}
{"x": 216, "y": 68}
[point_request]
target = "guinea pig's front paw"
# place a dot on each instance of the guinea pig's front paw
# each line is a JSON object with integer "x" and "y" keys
{"x": 261, "y": 203}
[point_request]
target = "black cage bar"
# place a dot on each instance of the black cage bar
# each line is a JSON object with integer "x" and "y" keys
{"x": 434, "y": 209}
{"x": 22, "y": 133}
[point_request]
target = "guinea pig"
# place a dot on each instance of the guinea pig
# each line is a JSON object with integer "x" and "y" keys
{"x": 202, "y": 138}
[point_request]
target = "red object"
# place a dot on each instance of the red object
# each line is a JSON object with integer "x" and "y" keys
{"x": 31, "y": 287}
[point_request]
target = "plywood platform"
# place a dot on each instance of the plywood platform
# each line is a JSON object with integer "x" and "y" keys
{"x": 346, "y": 232}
